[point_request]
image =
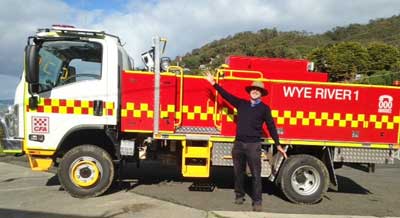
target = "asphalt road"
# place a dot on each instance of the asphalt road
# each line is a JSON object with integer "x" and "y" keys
{"x": 359, "y": 192}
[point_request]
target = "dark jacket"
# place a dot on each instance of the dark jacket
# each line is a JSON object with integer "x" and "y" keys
{"x": 250, "y": 118}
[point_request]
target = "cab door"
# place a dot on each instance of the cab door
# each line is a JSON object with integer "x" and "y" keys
{"x": 72, "y": 92}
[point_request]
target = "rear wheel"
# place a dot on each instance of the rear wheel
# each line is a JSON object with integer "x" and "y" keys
{"x": 304, "y": 179}
{"x": 86, "y": 171}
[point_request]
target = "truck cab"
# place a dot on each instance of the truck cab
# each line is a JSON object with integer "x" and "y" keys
{"x": 72, "y": 87}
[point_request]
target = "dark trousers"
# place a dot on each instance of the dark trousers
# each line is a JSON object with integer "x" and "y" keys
{"x": 250, "y": 153}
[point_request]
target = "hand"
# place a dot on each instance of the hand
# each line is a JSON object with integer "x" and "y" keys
{"x": 282, "y": 151}
{"x": 209, "y": 78}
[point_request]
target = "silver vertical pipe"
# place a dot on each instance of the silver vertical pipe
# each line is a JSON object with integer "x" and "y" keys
{"x": 156, "y": 43}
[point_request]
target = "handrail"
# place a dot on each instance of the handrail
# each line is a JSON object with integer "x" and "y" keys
{"x": 218, "y": 126}
{"x": 215, "y": 111}
{"x": 180, "y": 92}
{"x": 230, "y": 71}
{"x": 231, "y": 74}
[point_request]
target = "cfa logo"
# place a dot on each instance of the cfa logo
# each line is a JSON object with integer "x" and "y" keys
{"x": 40, "y": 124}
{"x": 385, "y": 104}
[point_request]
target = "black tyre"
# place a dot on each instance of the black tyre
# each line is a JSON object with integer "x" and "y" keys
{"x": 304, "y": 179}
{"x": 86, "y": 171}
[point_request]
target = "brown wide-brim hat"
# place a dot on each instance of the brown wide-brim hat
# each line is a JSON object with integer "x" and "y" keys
{"x": 257, "y": 85}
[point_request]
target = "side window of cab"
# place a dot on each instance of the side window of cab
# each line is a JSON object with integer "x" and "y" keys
{"x": 64, "y": 62}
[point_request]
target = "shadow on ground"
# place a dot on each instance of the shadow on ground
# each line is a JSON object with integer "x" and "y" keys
{"x": 347, "y": 185}
{"x": 221, "y": 178}
{"x": 154, "y": 173}
{"x": 365, "y": 167}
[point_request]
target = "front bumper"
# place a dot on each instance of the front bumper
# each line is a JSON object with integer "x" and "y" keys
{"x": 10, "y": 145}
{"x": 9, "y": 141}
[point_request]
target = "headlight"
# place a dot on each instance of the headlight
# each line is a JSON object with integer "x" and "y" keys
{"x": 165, "y": 62}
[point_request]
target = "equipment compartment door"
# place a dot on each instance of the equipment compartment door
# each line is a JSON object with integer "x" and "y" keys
{"x": 336, "y": 112}
{"x": 167, "y": 102}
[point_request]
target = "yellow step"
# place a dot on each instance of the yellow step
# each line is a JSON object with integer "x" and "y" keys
{"x": 200, "y": 152}
{"x": 196, "y": 171}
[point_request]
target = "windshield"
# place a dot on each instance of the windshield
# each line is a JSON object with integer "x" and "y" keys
{"x": 65, "y": 62}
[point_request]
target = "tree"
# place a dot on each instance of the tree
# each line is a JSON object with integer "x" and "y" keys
{"x": 345, "y": 60}
{"x": 382, "y": 77}
{"x": 396, "y": 66}
{"x": 320, "y": 58}
{"x": 335, "y": 51}
{"x": 382, "y": 56}
{"x": 192, "y": 62}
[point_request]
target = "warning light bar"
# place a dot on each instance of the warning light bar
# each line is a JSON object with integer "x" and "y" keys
{"x": 62, "y": 26}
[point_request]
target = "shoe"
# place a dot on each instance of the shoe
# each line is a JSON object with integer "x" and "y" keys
{"x": 239, "y": 200}
{"x": 257, "y": 207}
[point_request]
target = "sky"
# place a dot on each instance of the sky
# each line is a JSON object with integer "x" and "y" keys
{"x": 187, "y": 24}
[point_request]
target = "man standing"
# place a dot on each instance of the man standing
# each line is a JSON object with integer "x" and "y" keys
{"x": 247, "y": 147}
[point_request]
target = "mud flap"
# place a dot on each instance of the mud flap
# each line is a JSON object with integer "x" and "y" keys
{"x": 328, "y": 160}
{"x": 276, "y": 164}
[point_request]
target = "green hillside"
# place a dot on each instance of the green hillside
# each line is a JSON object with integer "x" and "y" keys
{"x": 370, "y": 51}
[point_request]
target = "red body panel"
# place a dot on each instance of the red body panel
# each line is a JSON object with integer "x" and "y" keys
{"x": 304, "y": 111}
{"x": 198, "y": 101}
{"x": 336, "y": 112}
{"x": 137, "y": 89}
{"x": 138, "y": 100}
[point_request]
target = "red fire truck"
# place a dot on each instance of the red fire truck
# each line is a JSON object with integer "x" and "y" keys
{"x": 82, "y": 107}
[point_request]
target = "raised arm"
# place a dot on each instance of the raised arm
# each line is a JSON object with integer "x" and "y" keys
{"x": 233, "y": 100}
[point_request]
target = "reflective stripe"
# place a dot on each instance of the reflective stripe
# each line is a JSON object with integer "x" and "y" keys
{"x": 141, "y": 110}
{"x": 285, "y": 117}
{"x": 342, "y": 120}
{"x": 334, "y": 143}
{"x": 70, "y": 106}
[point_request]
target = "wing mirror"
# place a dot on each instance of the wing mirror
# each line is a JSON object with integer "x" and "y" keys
{"x": 32, "y": 73}
{"x": 32, "y": 64}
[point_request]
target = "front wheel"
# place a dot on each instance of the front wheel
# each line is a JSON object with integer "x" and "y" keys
{"x": 304, "y": 179}
{"x": 86, "y": 171}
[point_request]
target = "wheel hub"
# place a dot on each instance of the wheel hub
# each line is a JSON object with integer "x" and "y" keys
{"x": 85, "y": 172}
{"x": 305, "y": 180}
